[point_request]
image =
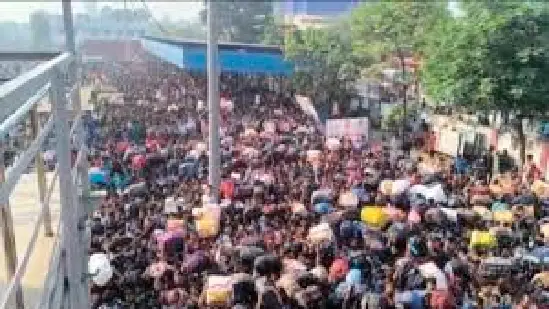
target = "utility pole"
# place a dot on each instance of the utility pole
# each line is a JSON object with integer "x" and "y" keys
{"x": 214, "y": 171}
{"x": 71, "y": 207}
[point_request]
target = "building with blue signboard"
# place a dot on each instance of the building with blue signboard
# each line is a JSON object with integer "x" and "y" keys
{"x": 233, "y": 58}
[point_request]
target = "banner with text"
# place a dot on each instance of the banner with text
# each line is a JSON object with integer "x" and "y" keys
{"x": 349, "y": 127}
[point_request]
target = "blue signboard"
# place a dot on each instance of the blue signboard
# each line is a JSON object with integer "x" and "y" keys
{"x": 234, "y": 58}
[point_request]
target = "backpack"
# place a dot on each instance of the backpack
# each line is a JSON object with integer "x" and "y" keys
{"x": 268, "y": 298}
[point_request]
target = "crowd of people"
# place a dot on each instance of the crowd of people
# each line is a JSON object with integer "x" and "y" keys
{"x": 302, "y": 221}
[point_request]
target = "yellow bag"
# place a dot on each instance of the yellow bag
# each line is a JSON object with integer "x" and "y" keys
{"x": 207, "y": 227}
{"x": 218, "y": 290}
{"x": 373, "y": 216}
{"x": 482, "y": 239}
{"x": 505, "y": 216}
{"x": 320, "y": 233}
{"x": 483, "y": 211}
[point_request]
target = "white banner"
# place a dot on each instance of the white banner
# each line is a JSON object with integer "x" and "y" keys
{"x": 349, "y": 127}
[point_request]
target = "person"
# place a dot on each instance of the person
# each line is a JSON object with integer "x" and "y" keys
{"x": 489, "y": 161}
{"x": 531, "y": 171}
{"x": 288, "y": 232}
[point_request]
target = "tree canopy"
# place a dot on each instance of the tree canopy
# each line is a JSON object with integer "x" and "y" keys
{"x": 494, "y": 57}
{"x": 325, "y": 65}
{"x": 242, "y": 21}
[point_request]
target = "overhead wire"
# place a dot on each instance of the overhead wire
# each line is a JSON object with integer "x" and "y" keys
{"x": 156, "y": 22}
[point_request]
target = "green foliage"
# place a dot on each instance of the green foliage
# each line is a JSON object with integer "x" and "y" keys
{"x": 325, "y": 65}
{"x": 381, "y": 29}
{"x": 496, "y": 58}
{"x": 241, "y": 21}
{"x": 272, "y": 32}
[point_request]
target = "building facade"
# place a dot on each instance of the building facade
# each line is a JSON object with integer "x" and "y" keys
{"x": 106, "y": 24}
{"x": 311, "y": 13}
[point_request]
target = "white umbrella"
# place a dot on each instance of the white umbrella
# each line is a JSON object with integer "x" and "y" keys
{"x": 100, "y": 268}
{"x": 399, "y": 186}
{"x": 348, "y": 199}
{"x": 201, "y": 147}
{"x": 430, "y": 270}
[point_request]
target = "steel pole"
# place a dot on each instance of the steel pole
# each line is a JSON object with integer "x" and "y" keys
{"x": 8, "y": 236}
{"x": 214, "y": 171}
{"x": 41, "y": 175}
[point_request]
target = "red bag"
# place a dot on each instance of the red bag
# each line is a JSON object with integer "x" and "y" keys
{"x": 440, "y": 299}
{"x": 226, "y": 189}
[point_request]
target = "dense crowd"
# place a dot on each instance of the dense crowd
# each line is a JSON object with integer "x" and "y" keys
{"x": 302, "y": 221}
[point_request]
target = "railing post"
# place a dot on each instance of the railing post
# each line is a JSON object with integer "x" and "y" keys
{"x": 41, "y": 175}
{"x": 69, "y": 207}
{"x": 8, "y": 235}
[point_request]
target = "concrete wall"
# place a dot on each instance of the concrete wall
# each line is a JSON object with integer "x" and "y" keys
{"x": 448, "y": 128}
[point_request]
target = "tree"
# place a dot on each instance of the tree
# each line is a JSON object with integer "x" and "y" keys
{"x": 273, "y": 32}
{"x": 241, "y": 21}
{"x": 182, "y": 29}
{"x": 385, "y": 29}
{"x": 325, "y": 65}
{"x": 40, "y": 31}
{"x": 497, "y": 59}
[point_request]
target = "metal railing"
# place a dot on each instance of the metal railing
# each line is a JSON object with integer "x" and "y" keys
{"x": 66, "y": 282}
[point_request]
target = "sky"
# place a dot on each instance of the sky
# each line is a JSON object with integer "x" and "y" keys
{"x": 19, "y": 11}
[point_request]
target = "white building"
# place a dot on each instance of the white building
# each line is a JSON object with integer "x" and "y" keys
{"x": 107, "y": 24}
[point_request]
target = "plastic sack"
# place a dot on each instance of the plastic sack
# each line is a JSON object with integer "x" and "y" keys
{"x": 430, "y": 270}
{"x": 434, "y": 192}
{"x": 503, "y": 216}
{"x": 313, "y": 156}
{"x": 175, "y": 225}
{"x": 97, "y": 176}
{"x": 348, "y": 199}
{"x": 414, "y": 217}
{"x": 201, "y": 147}
{"x": 544, "y": 228}
{"x": 139, "y": 162}
{"x": 322, "y": 196}
{"x": 483, "y": 212}
{"x": 293, "y": 266}
{"x": 170, "y": 205}
{"x": 481, "y": 199}
{"x": 400, "y": 186}
{"x": 483, "y": 239}
{"x": 386, "y": 187}
{"x": 540, "y": 188}
{"x": 298, "y": 208}
{"x": 321, "y": 233}
{"x": 323, "y": 208}
{"x": 333, "y": 144}
{"x": 99, "y": 266}
{"x": 374, "y": 216}
{"x": 207, "y": 225}
{"x": 499, "y": 206}
{"x": 218, "y": 290}
{"x": 122, "y": 146}
{"x": 226, "y": 189}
